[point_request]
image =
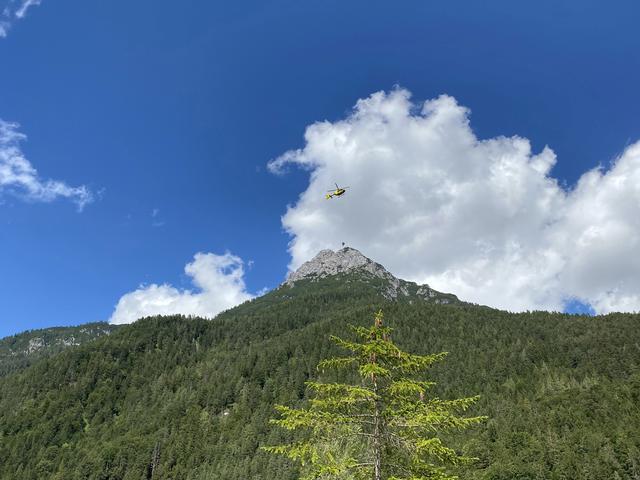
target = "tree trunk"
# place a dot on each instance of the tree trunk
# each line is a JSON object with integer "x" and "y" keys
{"x": 152, "y": 469}
{"x": 377, "y": 457}
{"x": 377, "y": 433}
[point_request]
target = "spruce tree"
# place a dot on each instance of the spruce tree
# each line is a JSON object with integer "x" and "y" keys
{"x": 384, "y": 426}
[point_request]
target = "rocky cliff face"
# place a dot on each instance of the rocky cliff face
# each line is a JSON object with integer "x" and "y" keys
{"x": 345, "y": 260}
{"x": 349, "y": 260}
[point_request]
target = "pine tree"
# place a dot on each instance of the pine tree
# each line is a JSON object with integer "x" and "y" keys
{"x": 383, "y": 428}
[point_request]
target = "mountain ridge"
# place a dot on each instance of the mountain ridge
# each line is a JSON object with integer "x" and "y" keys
{"x": 22, "y": 349}
{"x": 348, "y": 260}
{"x": 326, "y": 270}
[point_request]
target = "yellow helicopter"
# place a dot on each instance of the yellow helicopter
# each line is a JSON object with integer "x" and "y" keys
{"x": 336, "y": 193}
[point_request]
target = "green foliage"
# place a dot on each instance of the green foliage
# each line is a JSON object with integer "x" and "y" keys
{"x": 195, "y": 397}
{"x": 383, "y": 427}
{"x": 19, "y": 351}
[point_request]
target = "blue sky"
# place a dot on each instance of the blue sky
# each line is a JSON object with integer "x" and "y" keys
{"x": 155, "y": 107}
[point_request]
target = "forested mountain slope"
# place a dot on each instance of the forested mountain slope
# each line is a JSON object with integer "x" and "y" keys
{"x": 187, "y": 398}
{"x": 21, "y": 350}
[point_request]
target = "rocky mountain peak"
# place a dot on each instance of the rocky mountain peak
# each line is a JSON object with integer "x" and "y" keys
{"x": 345, "y": 260}
{"x": 349, "y": 260}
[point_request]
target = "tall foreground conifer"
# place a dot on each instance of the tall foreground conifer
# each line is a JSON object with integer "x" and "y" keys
{"x": 384, "y": 428}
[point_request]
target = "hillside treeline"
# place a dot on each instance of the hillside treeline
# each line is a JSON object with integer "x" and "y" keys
{"x": 187, "y": 398}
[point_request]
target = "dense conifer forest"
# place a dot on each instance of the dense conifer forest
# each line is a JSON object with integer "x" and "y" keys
{"x": 188, "y": 398}
{"x": 21, "y": 350}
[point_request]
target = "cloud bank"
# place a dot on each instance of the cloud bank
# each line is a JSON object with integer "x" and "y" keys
{"x": 482, "y": 218}
{"x": 13, "y": 10}
{"x": 19, "y": 178}
{"x": 219, "y": 280}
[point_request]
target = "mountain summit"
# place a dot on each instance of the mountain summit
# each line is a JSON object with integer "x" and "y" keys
{"x": 347, "y": 260}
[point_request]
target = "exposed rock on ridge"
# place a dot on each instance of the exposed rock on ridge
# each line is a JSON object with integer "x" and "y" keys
{"x": 21, "y": 350}
{"x": 328, "y": 262}
{"x": 349, "y": 260}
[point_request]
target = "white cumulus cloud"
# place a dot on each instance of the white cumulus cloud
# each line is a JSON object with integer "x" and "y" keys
{"x": 19, "y": 178}
{"x": 482, "y": 218}
{"x": 13, "y": 10}
{"x": 219, "y": 282}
